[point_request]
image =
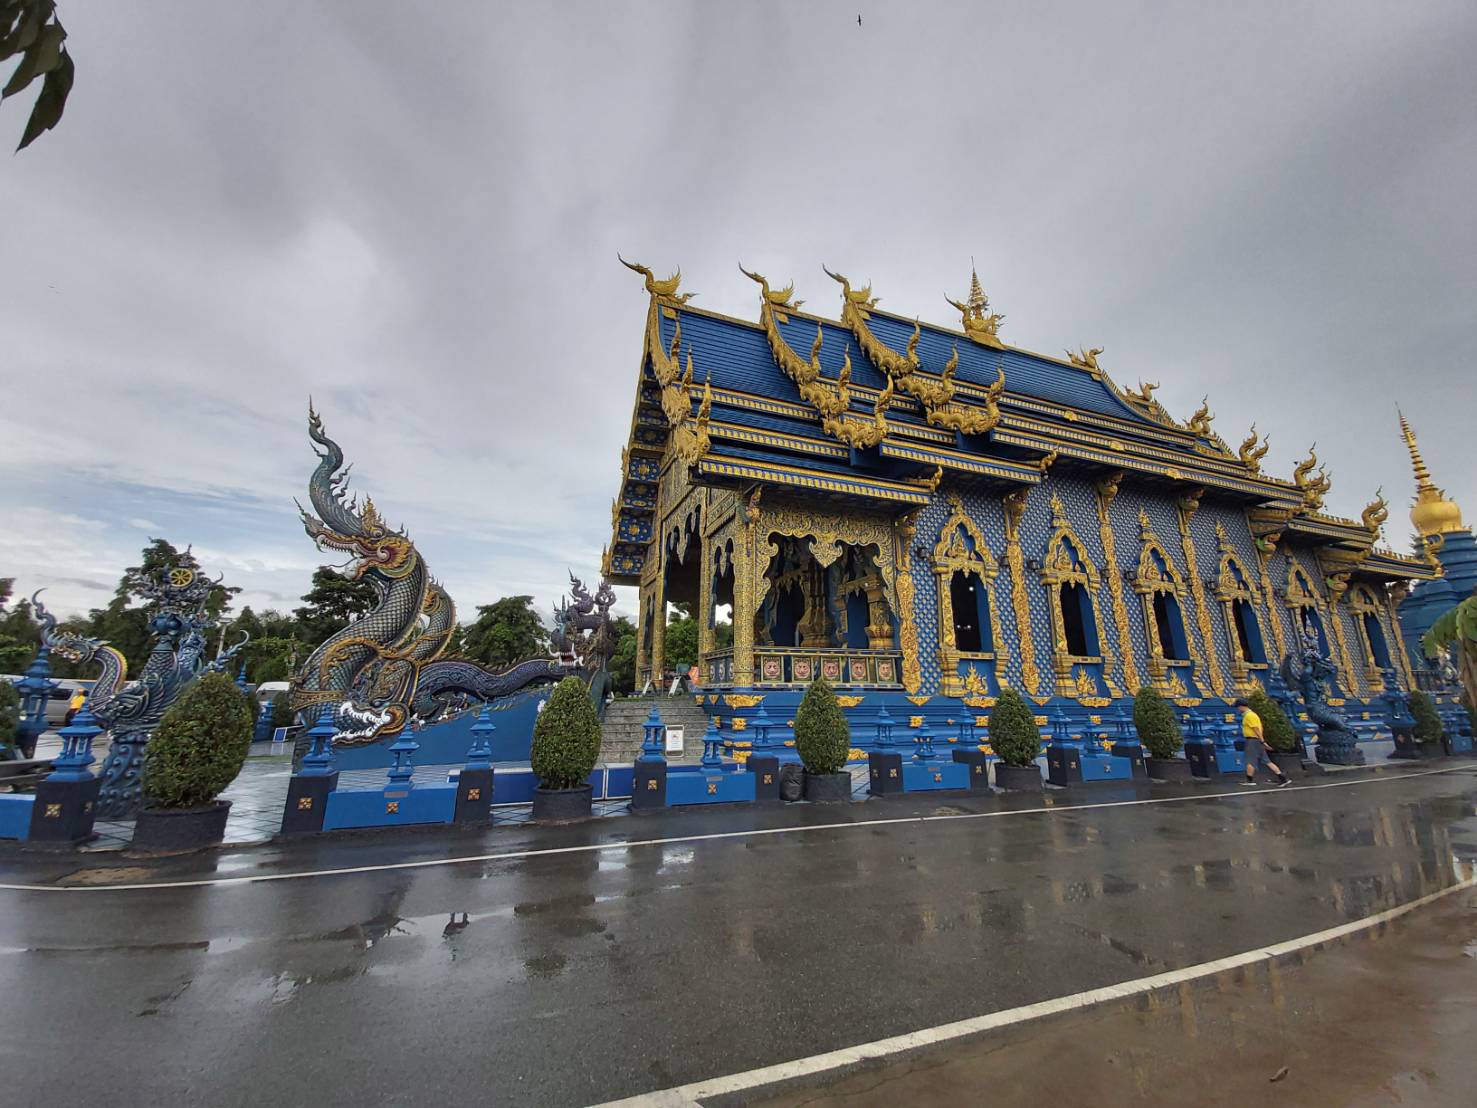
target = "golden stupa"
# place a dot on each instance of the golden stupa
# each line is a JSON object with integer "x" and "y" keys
{"x": 1432, "y": 513}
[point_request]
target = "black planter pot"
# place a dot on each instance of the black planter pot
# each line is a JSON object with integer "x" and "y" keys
{"x": 827, "y": 788}
{"x": 1169, "y": 769}
{"x": 1288, "y": 762}
{"x": 1018, "y": 779}
{"x": 561, "y": 805}
{"x": 179, "y": 830}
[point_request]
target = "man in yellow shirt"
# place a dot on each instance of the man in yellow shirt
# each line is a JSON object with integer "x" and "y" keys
{"x": 1256, "y": 746}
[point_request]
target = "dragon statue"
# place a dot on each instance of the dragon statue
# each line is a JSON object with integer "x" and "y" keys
{"x": 130, "y": 710}
{"x": 386, "y": 666}
{"x": 1306, "y": 669}
{"x": 583, "y": 635}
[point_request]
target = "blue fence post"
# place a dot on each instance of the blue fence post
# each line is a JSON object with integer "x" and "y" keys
{"x": 923, "y": 744}
{"x": 262, "y": 730}
{"x": 1126, "y": 741}
{"x": 649, "y": 779}
{"x": 403, "y": 767}
{"x": 66, "y": 800}
{"x": 760, "y": 724}
{"x": 712, "y": 740}
{"x": 308, "y": 789}
{"x": 474, "y": 785}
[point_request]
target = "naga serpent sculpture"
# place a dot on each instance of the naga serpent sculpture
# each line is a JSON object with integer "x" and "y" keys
{"x": 386, "y": 666}
{"x": 130, "y": 710}
{"x": 1306, "y": 669}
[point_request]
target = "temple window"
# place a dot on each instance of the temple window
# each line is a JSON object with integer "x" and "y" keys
{"x": 1365, "y": 607}
{"x": 1248, "y": 632}
{"x": 1377, "y": 645}
{"x": 964, "y": 568}
{"x": 1078, "y": 626}
{"x": 1170, "y": 625}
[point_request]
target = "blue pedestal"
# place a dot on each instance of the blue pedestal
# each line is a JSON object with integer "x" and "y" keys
{"x": 920, "y": 777}
{"x": 1230, "y": 761}
{"x": 696, "y": 785}
{"x": 396, "y": 806}
{"x": 15, "y": 816}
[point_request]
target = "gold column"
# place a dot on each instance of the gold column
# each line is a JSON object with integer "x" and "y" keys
{"x": 705, "y": 632}
{"x": 659, "y": 620}
{"x": 1107, "y": 490}
{"x": 1338, "y": 585}
{"x": 1014, "y": 505}
{"x": 1271, "y": 615}
{"x": 905, "y": 528}
{"x": 744, "y": 558}
{"x": 1188, "y": 506}
{"x": 1392, "y": 605}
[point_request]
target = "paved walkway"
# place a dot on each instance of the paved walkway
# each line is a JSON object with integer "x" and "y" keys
{"x": 569, "y": 965}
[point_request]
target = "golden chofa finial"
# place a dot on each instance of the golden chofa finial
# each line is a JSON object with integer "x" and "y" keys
{"x": 1086, "y": 358}
{"x": 979, "y": 323}
{"x": 666, "y": 290}
{"x": 778, "y": 298}
{"x": 1432, "y": 513}
{"x": 1375, "y": 512}
{"x": 1253, "y": 449}
{"x": 1200, "y": 422}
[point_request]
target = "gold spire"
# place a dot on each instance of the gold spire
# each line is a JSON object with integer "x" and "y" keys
{"x": 978, "y": 302}
{"x": 1431, "y": 513}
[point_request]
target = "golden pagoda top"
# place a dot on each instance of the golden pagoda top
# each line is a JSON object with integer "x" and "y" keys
{"x": 1432, "y": 513}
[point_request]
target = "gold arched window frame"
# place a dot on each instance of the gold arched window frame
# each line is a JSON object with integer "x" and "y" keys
{"x": 1363, "y": 602}
{"x": 1147, "y": 583}
{"x": 951, "y": 554}
{"x": 1060, "y": 568}
{"x": 1228, "y": 590}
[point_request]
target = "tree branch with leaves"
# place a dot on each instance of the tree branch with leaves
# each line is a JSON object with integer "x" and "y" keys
{"x": 30, "y": 30}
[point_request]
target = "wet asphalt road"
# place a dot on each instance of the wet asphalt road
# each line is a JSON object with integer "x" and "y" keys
{"x": 574, "y": 977}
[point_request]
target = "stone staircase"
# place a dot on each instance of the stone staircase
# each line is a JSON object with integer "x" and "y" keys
{"x": 621, "y": 727}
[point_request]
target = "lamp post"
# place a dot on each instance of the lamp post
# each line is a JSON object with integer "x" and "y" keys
{"x": 924, "y": 744}
{"x": 884, "y": 727}
{"x": 403, "y": 768}
{"x": 653, "y": 731}
{"x": 318, "y": 761}
{"x": 711, "y": 742}
{"x": 479, "y": 754}
{"x": 35, "y": 689}
{"x": 76, "y": 755}
{"x": 760, "y": 724}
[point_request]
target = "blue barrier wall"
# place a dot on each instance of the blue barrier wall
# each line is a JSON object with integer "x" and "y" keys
{"x": 447, "y": 743}
{"x": 15, "y": 816}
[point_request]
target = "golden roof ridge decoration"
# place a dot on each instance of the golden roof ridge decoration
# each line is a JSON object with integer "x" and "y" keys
{"x": 936, "y": 397}
{"x": 1253, "y": 449}
{"x": 1314, "y": 487}
{"x": 1086, "y": 358}
{"x": 662, "y": 290}
{"x": 980, "y": 324}
{"x": 1375, "y": 513}
{"x": 831, "y": 402}
{"x": 1199, "y": 423}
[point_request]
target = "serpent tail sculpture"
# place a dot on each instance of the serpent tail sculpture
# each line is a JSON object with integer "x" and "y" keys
{"x": 384, "y": 667}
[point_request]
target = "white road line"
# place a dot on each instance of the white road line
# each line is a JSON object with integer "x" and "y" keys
{"x": 757, "y": 832}
{"x": 692, "y": 1094}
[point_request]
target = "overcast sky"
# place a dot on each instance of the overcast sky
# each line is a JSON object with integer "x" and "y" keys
{"x": 412, "y": 212}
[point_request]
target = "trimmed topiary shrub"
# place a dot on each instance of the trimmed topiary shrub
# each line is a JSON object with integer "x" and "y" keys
{"x": 1428, "y": 727}
{"x": 1157, "y": 726}
{"x": 1014, "y": 736}
{"x": 282, "y": 713}
{"x": 199, "y": 746}
{"x": 566, "y": 738}
{"x": 822, "y": 735}
{"x": 1277, "y": 729}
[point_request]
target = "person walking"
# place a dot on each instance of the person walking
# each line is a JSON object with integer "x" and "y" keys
{"x": 1256, "y": 746}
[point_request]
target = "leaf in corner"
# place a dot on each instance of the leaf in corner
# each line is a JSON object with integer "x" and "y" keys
{"x": 47, "y": 112}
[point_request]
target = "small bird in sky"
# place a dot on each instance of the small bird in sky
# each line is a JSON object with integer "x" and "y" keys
{"x": 858, "y": 20}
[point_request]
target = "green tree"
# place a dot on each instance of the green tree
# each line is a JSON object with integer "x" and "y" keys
{"x": 1456, "y": 630}
{"x": 199, "y": 746}
{"x": 10, "y": 717}
{"x": 504, "y": 632}
{"x": 331, "y": 604}
{"x": 566, "y": 737}
{"x": 822, "y": 735}
{"x": 1277, "y": 729}
{"x": 30, "y": 29}
{"x": 1157, "y": 726}
{"x": 681, "y": 649}
{"x": 622, "y": 664}
{"x": 20, "y": 634}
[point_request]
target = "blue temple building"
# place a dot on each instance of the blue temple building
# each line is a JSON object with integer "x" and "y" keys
{"x": 1448, "y": 544}
{"x": 925, "y": 514}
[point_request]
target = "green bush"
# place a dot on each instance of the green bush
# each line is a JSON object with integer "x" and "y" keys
{"x": 822, "y": 735}
{"x": 10, "y": 715}
{"x": 1014, "y": 736}
{"x": 1427, "y": 723}
{"x": 566, "y": 738}
{"x": 1277, "y": 729}
{"x": 1159, "y": 730}
{"x": 282, "y": 713}
{"x": 199, "y": 746}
